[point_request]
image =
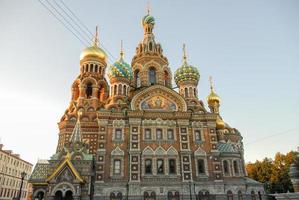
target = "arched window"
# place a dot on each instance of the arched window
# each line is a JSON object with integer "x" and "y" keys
{"x": 137, "y": 78}
{"x": 40, "y": 195}
{"x": 96, "y": 68}
{"x": 166, "y": 78}
{"x": 91, "y": 68}
{"x": 152, "y": 76}
{"x": 86, "y": 68}
{"x": 89, "y": 90}
{"x": 100, "y": 70}
{"x": 230, "y": 195}
{"x": 150, "y": 46}
{"x": 194, "y": 92}
{"x": 240, "y": 196}
{"x": 120, "y": 89}
{"x": 236, "y": 168}
{"x": 115, "y": 90}
{"x": 58, "y": 195}
{"x": 149, "y": 195}
{"x": 186, "y": 92}
{"x": 225, "y": 167}
{"x": 101, "y": 93}
{"x": 125, "y": 90}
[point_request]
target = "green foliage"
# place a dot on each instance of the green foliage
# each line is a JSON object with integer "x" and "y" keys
{"x": 274, "y": 173}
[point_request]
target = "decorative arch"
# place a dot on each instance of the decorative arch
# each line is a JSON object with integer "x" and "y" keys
{"x": 172, "y": 151}
{"x": 200, "y": 152}
{"x": 160, "y": 151}
{"x": 158, "y": 98}
{"x": 117, "y": 152}
{"x": 87, "y": 80}
{"x": 39, "y": 194}
{"x": 148, "y": 151}
{"x": 61, "y": 185}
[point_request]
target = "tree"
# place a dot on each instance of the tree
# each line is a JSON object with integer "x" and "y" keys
{"x": 274, "y": 173}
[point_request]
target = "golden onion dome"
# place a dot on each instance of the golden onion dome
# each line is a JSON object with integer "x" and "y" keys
{"x": 93, "y": 52}
{"x": 220, "y": 124}
{"x": 213, "y": 97}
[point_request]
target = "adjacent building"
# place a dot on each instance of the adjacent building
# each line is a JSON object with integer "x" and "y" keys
{"x": 136, "y": 135}
{"x": 12, "y": 167}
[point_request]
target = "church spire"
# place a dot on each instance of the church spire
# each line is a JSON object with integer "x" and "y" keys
{"x": 96, "y": 37}
{"x": 121, "y": 50}
{"x": 76, "y": 135}
{"x": 184, "y": 54}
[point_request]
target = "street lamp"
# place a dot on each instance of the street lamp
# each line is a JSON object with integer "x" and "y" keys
{"x": 23, "y": 174}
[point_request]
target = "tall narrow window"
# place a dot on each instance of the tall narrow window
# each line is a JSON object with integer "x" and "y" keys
{"x": 89, "y": 90}
{"x": 197, "y": 135}
{"x": 117, "y": 167}
{"x": 91, "y": 68}
{"x": 148, "y": 134}
{"x": 186, "y": 92}
{"x": 240, "y": 196}
{"x": 152, "y": 76}
{"x": 115, "y": 89}
{"x": 236, "y": 168}
{"x": 225, "y": 167}
{"x": 230, "y": 195}
{"x": 96, "y": 68}
{"x": 166, "y": 78}
{"x": 253, "y": 195}
{"x": 118, "y": 134}
{"x": 159, "y": 134}
{"x": 125, "y": 90}
{"x": 137, "y": 79}
{"x": 201, "y": 166}
{"x": 171, "y": 166}
{"x": 119, "y": 89}
{"x": 160, "y": 166}
{"x": 148, "y": 166}
{"x": 194, "y": 92}
{"x": 170, "y": 134}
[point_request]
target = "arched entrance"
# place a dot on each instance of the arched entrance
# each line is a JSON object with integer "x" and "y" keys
{"x": 68, "y": 195}
{"x": 39, "y": 196}
{"x": 58, "y": 195}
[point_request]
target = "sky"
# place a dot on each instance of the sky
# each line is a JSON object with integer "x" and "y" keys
{"x": 250, "y": 48}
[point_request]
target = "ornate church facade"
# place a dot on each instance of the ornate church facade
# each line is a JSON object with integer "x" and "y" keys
{"x": 136, "y": 137}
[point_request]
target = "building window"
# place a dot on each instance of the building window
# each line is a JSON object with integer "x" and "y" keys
{"x": 170, "y": 135}
{"x": 118, "y": 134}
{"x": 89, "y": 90}
{"x": 148, "y": 134}
{"x": 230, "y": 195}
{"x": 117, "y": 167}
{"x": 152, "y": 76}
{"x": 225, "y": 167}
{"x": 148, "y": 166}
{"x": 240, "y": 196}
{"x": 160, "y": 166}
{"x": 137, "y": 79}
{"x": 197, "y": 135}
{"x": 159, "y": 134}
{"x": 186, "y": 92}
{"x": 201, "y": 166}
{"x": 171, "y": 165}
{"x": 236, "y": 168}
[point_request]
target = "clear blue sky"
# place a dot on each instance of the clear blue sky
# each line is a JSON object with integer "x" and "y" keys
{"x": 251, "y": 48}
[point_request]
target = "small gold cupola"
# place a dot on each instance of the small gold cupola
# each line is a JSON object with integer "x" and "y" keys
{"x": 213, "y": 99}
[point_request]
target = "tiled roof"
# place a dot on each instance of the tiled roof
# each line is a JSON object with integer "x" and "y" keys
{"x": 40, "y": 171}
{"x": 227, "y": 148}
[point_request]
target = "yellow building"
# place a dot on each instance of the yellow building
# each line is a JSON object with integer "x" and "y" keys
{"x": 12, "y": 167}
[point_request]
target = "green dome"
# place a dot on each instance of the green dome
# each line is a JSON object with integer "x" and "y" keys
{"x": 186, "y": 73}
{"x": 148, "y": 19}
{"x": 120, "y": 69}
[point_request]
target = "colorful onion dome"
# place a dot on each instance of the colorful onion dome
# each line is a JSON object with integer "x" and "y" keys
{"x": 186, "y": 72}
{"x": 121, "y": 69}
{"x": 148, "y": 19}
{"x": 94, "y": 51}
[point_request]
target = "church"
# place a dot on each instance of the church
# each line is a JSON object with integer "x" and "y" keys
{"x": 138, "y": 136}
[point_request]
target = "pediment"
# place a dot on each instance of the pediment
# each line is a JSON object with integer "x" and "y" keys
{"x": 158, "y": 98}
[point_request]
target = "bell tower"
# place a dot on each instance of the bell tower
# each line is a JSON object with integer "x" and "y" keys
{"x": 149, "y": 65}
